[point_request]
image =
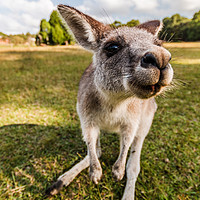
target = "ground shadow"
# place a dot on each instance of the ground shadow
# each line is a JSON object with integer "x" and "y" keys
{"x": 29, "y": 151}
{"x": 34, "y": 156}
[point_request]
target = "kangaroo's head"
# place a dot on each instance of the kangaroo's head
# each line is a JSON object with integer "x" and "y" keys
{"x": 129, "y": 60}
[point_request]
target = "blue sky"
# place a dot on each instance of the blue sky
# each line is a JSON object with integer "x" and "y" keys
{"x": 21, "y": 16}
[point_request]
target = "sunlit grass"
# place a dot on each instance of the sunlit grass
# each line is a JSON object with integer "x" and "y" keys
{"x": 41, "y": 137}
{"x": 182, "y": 45}
{"x": 187, "y": 61}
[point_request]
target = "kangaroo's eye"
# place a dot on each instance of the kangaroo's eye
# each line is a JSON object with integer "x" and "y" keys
{"x": 111, "y": 49}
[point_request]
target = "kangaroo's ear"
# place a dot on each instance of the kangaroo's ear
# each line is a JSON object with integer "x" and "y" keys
{"x": 87, "y": 31}
{"x": 153, "y": 27}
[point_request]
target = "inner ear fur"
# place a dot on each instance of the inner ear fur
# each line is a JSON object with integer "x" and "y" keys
{"x": 153, "y": 26}
{"x": 87, "y": 31}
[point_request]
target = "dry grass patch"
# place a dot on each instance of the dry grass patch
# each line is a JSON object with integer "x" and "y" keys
{"x": 182, "y": 45}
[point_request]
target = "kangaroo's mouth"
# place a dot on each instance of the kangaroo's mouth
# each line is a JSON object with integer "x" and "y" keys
{"x": 145, "y": 91}
{"x": 152, "y": 89}
{"x": 155, "y": 88}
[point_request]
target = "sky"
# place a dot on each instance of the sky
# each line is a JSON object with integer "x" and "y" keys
{"x": 22, "y": 16}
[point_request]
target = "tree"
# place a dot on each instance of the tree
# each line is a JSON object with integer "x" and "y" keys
{"x": 116, "y": 24}
{"x": 196, "y": 16}
{"x": 45, "y": 26}
{"x": 55, "y": 31}
{"x": 55, "y": 19}
{"x": 193, "y": 31}
{"x": 3, "y": 34}
{"x": 57, "y": 35}
{"x": 57, "y": 25}
{"x": 174, "y": 20}
{"x": 59, "y": 30}
{"x": 45, "y": 30}
{"x": 174, "y": 28}
{"x": 133, "y": 23}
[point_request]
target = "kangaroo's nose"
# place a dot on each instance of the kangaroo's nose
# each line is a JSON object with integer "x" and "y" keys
{"x": 149, "y": 59}
{"x": 158, "y": 57}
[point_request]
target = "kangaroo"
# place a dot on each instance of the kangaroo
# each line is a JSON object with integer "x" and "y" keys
{"x": 116, "y": 92}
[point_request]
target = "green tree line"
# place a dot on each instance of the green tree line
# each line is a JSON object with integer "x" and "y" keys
{"x": 176, "y": 28}
{"x": 179, "y": 28}
{"x": 54, "y": 31}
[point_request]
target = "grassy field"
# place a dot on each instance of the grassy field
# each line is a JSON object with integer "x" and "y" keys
{"x": 40, "y": 130}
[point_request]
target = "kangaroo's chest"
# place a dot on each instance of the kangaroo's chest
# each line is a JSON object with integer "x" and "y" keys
{"x": 112, "y": 119}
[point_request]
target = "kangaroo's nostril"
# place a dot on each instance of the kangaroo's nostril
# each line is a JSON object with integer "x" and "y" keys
{"x": 149, "y": 59}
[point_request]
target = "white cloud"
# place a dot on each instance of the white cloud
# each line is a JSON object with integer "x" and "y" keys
{"x": 17, "y": 16}
{"x": 23, "y": 16}
{"x": 145, "y": 5}
{"x": 183, "y": 5}
{"x": 139, "y": 9}
{"x": 115, "y": 6}
{"x": 120, "y": 6}
{"x": 119, "y": 9}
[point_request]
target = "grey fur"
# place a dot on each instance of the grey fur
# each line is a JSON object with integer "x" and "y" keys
{"x": 116, "y": 92}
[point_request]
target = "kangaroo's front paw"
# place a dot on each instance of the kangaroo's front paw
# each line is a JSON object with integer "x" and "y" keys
{"x": 118, "y": 171}
{"x": 95, "y": 173}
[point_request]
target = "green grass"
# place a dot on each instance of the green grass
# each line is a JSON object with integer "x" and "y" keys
{"x": 41, "y": 137}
